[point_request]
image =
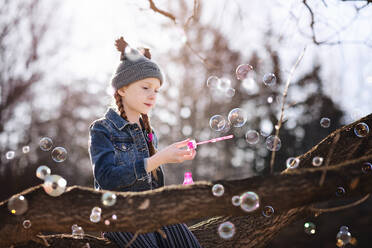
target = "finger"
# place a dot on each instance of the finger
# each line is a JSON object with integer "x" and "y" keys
{"x": 184, "y": 153}
{"x": 182, "y": 143}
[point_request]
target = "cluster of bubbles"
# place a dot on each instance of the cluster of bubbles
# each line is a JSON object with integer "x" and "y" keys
{"x": 309, "y": 228}
{"x": 343, "y": 237}
{"x": 11, "y": 154}
{"x": 223, "y": 85}
{"x": 95, "y": 215}
{"x": 77, "y": 232}
{"x": 59, "y": 154}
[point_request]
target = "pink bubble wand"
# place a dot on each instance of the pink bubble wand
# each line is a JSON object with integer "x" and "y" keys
{"x": 192, "y": 143}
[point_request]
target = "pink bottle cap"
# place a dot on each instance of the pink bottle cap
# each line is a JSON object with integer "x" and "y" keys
{"x": 188, "y": 178}
{"x": 192, "y": 145}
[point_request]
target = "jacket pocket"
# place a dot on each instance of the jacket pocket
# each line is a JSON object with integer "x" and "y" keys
{"x": 124, "y": 151}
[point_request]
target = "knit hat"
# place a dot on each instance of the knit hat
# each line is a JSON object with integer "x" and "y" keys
{"x": 134, "y": 66}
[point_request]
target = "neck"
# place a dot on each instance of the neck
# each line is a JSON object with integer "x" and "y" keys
{"x": 132, "y": 116}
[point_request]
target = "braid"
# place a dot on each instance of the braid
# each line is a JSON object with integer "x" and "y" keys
{"x": 120, "y": 105}
{"x": 146, "y": 122}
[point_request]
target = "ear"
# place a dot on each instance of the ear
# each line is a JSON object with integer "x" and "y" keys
{"x": 121, "y": 91}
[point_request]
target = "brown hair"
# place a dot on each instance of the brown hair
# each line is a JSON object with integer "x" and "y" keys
{"x": 121, "y": 44}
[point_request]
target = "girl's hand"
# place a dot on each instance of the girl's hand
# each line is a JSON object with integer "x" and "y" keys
{"x": 174, "y": 153}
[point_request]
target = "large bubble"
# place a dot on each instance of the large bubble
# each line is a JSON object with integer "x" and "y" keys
{"x": 237, "y": 117}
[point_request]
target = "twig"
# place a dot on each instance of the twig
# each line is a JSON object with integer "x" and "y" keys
{"x": 330, "y": 153}
{"x": 162, "y": 12}
{"x": 325, "y": 210}
{"x": 282, "y": 109}
{"x": 194, "y": 13}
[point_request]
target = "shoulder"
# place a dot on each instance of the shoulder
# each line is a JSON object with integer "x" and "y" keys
{"x": 99, "y": 124}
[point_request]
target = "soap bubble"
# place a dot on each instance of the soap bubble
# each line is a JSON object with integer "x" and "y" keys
{"x": 227, "y": 127}
{"x": 317, "y": 161}
{"x": 226, "y": 230}
{"x": 95, "y": 215}
{"x": 270, "y": 99}
{"x": 107, "y": 222}
{"x": 343, "y": 237}
{"x": 217, "y": 122}
{"x": 367, "y": 167}
{"x": 230, "y": 92}
{"x": 224, "y": 84}
{"x": 97, "y": 210}
{"x": 249, "y": 201}
{"x": 235, "y": 200}
{"x": 252, "y": 137}
{"x": 213, "y": 82}
{"x": 26, "y": 224}
{"x": 59, "y": 154}
{"x": 344, "y": 228}
{"x": 10, "y": 155}
{"x": 54, "y": 185}
{"x": 218, "y": 190}
{"x": 42, "y": 171}
{"x": 340, "y": 191}
{"x": 325, "y": 122}
{"x": 269, "y": 79}
{"x": 77, "y": 232}
{"x": 309, "y": 228}
{"x": 18, "y": 205}
{"x": 273, "y": 143}
{"x": 237, "y": 117}
{"x": 361, "y": 130}
{"x": 108, "y": 199}
{"x": 242, "y": 71}
{"x": 114, "y": 217}
{"x": 46, "y": 144}
{"x": 268, "y": 211}
{"x": 25, "y": 149}
{"x": 292, "y": 162}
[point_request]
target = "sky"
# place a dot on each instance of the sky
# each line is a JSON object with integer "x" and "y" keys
{"x": 94, "y": 25}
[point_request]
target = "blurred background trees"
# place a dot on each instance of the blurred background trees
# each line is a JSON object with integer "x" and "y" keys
{"x": 39, "y": 99}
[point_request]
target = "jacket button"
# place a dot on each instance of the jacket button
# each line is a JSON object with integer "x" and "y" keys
{"x": 123, "y": 146}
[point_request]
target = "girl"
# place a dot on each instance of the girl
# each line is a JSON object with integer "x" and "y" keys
{"x": 123, "y": 146}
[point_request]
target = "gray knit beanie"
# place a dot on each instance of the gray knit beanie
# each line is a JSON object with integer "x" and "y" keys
{"x": 134, "y": 66}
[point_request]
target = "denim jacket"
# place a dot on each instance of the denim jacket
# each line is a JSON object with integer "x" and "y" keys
{"x": 118, "y": 151}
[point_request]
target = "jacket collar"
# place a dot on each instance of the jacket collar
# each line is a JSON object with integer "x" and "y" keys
{"x": 116, "y": 119}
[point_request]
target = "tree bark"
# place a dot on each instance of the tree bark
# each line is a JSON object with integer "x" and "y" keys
{"x": 291, "y": 194}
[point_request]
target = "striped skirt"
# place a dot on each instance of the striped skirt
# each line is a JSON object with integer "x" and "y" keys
{"x": 178, "y": 235}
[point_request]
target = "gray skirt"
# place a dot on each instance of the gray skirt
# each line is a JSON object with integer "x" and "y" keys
{"x": 178, "y": 235}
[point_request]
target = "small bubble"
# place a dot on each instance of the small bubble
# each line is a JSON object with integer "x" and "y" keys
{"x": 224, "y": 84}
{"x": 235, "y": 200}
{"x": 242, "y": 71}
{"x": 26, "y": 224}
{"x": 42, "y": 171}
{"x": 317, "y": 161}
{"x": 344, "y": 228}
{"x": 340, "y": 191}
{"x": 361, "y": 130}
{"x": 252, "y": 137}
{"x": 10, "y": 155}
{"x": 59, "y": 154}
{"x": 218, "y": 190}
{"x": 226, "y": 230}
{"x": 114, "y": 217}
{"x": 325, "y": 122}
{"x": 95, "y": 217}
{"x": 237, "y": 117}
{"x": 25, "y": 149}
{"x": 213, "y": 82}
{"x": 18, "y": 205}
{"x": 268, "y": 211}
{"x": 273, "y": 143}
{"x": 54, "y": 185}
{"x": 107, "y": 222}
{"x": 46, "y": 144}
{"x": 108, "y": 199}
{"x": 217, "y": 122}
{"x": 249, "y": 201}
{"x": 97, "y": 210}
{"x": 269, "y": 79}
{"x": 270, "y": 99}
{"x": 343, "y": 237}
{"x": 230, "y": 92}
{"x": 292, "y": 162}
{"x": 309, "y": 228}
{"x": 77, "y": 232}
{"x": 367, "y": 167}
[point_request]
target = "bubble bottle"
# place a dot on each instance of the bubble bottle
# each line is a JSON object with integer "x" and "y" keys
{"x": 188, "y": 178}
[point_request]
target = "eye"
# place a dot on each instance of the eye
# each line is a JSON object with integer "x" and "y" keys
{"x": 156, "y": 91}
{"x": 145, "y": 88}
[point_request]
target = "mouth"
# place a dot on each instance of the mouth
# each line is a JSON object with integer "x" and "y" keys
{"x": 148, "y": 105}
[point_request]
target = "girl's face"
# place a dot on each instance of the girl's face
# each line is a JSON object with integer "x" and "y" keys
{"x": 140, "y": 96}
